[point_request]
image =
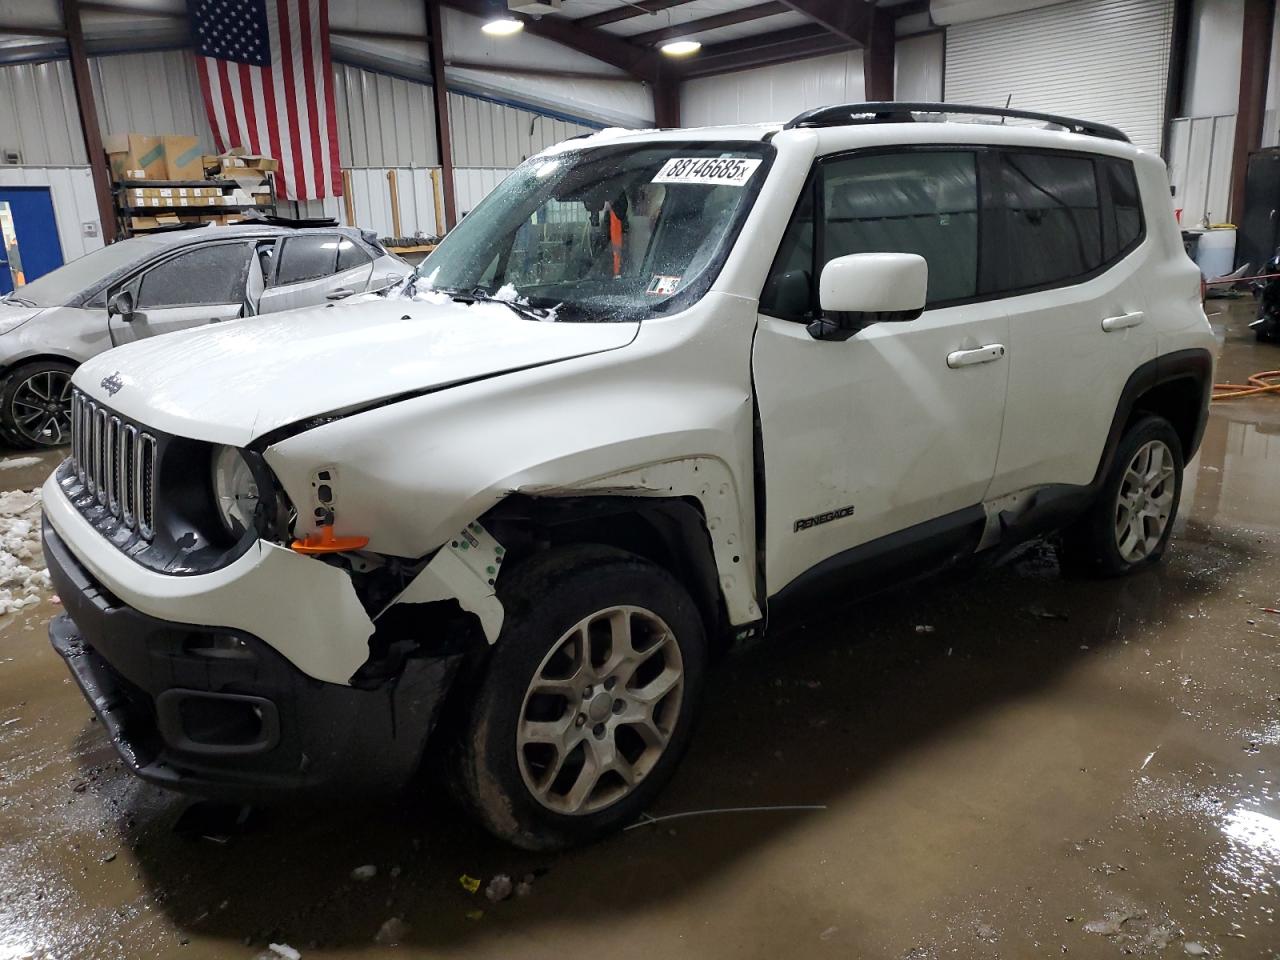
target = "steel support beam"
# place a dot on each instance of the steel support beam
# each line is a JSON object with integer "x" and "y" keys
{"x": 1176, "y": 79}
{"x": 626, "y": 12}
{"x": 444, "y": 144}
{"x": 17, "y": 30}
{"x": 688, "y": 29}
{"x": 639, "y": 62}
{"x": 777, "y": 47}
{"x": 878, "y": 65}
{"x": 1255, "y": 56}
{"x": 848, "y": 19}
{"x": 666, "y": 99}
{"x": 88, "y": 111}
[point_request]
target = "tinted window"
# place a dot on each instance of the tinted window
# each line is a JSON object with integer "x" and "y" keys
{"x": 209, "y": 275}
{"x": 307, "y": 258}
{"x": 1049, "y": 225}
{"x": 923, "y": 202}
{"x": 350, "y": 255}
{"x": 1126, "y": 206}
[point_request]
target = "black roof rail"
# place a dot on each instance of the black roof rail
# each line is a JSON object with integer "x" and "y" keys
{"x": 892, "y": 111}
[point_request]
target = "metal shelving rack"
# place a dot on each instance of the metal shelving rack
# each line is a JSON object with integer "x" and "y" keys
{"x": 125, "y": 211}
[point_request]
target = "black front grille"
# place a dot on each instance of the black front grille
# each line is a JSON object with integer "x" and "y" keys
{"x": 116, "y": 462}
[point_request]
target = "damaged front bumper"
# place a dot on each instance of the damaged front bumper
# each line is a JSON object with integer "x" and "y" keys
{"x": 218, "y": 712}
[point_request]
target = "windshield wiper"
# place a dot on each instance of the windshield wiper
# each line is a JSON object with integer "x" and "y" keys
{"x": 22, "y": 302}
{"x": 477, "y": 295}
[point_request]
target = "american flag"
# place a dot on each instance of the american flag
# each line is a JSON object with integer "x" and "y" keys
{"x": 268, "y": 87}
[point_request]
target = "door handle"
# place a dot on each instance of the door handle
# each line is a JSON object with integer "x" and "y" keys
{"x": 967, "y": 358}
{"x": 340, "y": 294}
{"x": 1125, "y": 320}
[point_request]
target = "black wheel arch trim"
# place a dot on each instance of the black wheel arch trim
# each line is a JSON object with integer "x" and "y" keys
{"x": 1194, "y": 364}
{"x": 677, "y": 525}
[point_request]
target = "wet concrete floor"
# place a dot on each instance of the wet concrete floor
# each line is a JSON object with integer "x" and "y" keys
{"x": 1059, "y": 767}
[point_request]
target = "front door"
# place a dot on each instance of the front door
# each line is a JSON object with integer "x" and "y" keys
{"x": 192, "y": 288}
{"x": 899, "y": 425}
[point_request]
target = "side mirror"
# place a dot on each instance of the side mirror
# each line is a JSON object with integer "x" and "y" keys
{"x": 865, "y": 288}
{"x": 121, "y": 305}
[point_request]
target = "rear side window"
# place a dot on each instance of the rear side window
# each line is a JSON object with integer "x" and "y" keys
{"x": 307, "y": 258}
{"x": 1046, "y": 220}
{"x": 923, "y": 202}
{"x": 205, "y": 276}
{"x": 350, "y": 255}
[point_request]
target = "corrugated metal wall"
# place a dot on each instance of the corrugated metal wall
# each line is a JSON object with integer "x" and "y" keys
{"x": 488, "y": 134}
{"x": 38, "y": 115}
{"x": 1200, "y": 152}
{"x": 383, "y": 121}
{"x": 156, "y": 92}
{"x": 74, "y": 204}
{"x": 777, "y": 92}
{"x": 1105, "y": 60}
{"x": 371, "y": 198}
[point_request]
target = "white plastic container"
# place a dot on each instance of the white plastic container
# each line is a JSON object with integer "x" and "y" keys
{"x": 1216, "y": 254}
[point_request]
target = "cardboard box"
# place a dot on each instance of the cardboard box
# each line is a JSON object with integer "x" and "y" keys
{"x": 236, "y": 163}
{"x": 135, "y": 156}
{"x": 182, "y": 158}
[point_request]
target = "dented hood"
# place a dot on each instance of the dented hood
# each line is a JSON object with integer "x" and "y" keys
{"x": 236, "y": 381}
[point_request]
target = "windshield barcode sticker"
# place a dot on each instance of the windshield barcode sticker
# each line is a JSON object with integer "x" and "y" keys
{"x": 712, "y": 171}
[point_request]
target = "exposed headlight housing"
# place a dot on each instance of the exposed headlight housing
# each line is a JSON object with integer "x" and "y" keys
{"x": 235, "y": 490}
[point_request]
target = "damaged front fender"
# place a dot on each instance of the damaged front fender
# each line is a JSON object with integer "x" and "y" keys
{"x": 465, "y": 569}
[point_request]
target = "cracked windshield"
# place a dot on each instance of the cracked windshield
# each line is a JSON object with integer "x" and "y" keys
{"x": 606, "y": 234}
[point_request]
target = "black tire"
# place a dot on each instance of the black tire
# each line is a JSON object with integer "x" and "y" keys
{"x": 544, "y": 599}
{"x": 15, "y": 412}
{"x": 1093, "y": 544}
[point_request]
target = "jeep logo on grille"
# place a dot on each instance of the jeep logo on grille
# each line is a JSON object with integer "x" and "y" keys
{"x": 112, "y": 384}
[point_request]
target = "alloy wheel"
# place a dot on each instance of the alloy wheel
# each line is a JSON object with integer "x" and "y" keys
{"x": 1145, "y": 501}
{"x": 41, "y": 408}
{"x": 600, "y": 710}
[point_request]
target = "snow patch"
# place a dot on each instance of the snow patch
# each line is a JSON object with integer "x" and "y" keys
{"x": 23, "y": 576}
{"x": 17, "y": 463}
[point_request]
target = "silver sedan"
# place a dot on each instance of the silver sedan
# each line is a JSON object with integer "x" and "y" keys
{"x": 155, "y": 284}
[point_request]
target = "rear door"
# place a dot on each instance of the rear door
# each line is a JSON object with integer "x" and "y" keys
{"x": 1068, "y": 244}
{"x": 898, "y": 426}
{"x": 191, "y": 288}
{"x": 313, "y": 269}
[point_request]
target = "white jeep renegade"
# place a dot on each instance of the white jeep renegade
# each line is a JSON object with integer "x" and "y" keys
{"x": 656, "y": 385}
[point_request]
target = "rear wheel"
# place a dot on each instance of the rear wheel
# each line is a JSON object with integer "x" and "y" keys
{"x": 35, "y": 405}
{"x": 588, "y": 699}
{"x": 1129, "y": 524}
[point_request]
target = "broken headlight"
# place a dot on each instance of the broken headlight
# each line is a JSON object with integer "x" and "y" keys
{"x": 235, "y": 490}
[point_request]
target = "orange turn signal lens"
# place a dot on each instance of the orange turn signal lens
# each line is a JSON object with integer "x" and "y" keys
{"x": 326, "y": 542}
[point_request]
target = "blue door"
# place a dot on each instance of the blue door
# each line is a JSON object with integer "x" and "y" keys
{"x": 36, "y": 234}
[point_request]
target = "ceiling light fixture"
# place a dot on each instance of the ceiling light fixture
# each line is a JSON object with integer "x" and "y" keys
{"x": 680, "y": 48}
{"x": 503, "y": 27}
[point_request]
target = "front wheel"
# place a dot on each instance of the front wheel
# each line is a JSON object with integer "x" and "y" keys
{"x": 35, "y": 405}
{"x": 588, "y": 699}
{"x": 1128, "y": 526}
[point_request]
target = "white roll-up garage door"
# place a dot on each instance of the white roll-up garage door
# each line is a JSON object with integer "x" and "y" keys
{"x": 1105, "y": 60}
